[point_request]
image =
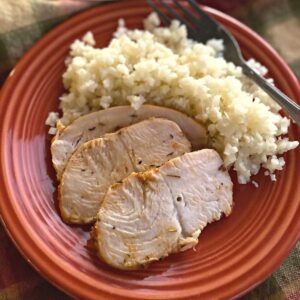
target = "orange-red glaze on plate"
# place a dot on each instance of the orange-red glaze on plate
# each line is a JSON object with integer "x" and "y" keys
{"x": 232, "y": 256}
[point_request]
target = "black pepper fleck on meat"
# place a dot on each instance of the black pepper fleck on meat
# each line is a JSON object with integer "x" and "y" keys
{"x": 77, "y": 142}
{"x": 222, "y": 168}
{"x": 171, "y": 153}
{"x": 92, "y": 128}
{"x": 173, "y": 175}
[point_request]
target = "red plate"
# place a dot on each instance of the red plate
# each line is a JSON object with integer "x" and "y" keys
{"x": 233, "y": 255}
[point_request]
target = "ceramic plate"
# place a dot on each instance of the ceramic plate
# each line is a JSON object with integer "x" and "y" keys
{"x": 232, "y": 256}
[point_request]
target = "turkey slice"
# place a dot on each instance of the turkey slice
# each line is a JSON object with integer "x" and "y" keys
{"x": 101, "y": 162}
{"x": 96, "y": 124}
{"x": 163, "y": 210}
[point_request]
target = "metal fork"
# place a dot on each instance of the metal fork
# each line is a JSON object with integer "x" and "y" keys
{"x": 201, "y": 27}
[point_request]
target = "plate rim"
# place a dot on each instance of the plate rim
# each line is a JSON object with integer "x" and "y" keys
{"x": 28, "y": 249}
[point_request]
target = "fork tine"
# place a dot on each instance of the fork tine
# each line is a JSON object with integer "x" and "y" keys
{"x": 185, "y": 11}
{"x": 234, "y": 54}
{"x": 201, "y": 34}
{"x": 202, "y": 14}
{"x": 172, "y": 11}
{"x": 178, "y": 17}
{"x": 204, "y": 32}
{"x": 166, "y": 20}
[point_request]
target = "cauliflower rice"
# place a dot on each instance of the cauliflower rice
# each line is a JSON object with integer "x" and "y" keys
{"x": 162, "y": 66}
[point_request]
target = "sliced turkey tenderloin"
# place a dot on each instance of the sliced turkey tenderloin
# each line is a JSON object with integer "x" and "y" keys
{"x": 101, "y": 162}
{"x": 96, "y": 124}
{"x": 163, "y": 210}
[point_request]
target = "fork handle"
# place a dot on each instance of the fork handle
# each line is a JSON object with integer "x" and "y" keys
{"x": 288, "y": 105}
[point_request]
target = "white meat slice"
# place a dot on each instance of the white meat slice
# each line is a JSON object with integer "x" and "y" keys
{"x": 101, "y": 162}
{"x": 163, "y": 210}
{"x": 96, "y": 124}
